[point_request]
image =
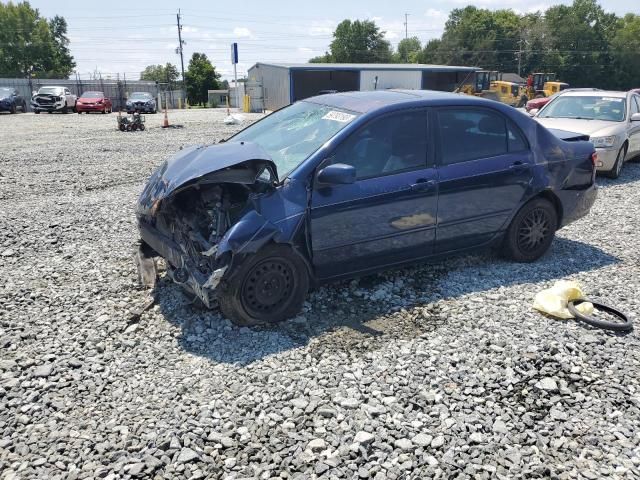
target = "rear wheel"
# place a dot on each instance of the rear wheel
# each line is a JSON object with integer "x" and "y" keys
{"x": 269, "y": 287}
{"x": 531, "y": 231}
{"x": 142, "y": 127}
{"x": 37, "y": 112}
{"x": 617, "y": 167}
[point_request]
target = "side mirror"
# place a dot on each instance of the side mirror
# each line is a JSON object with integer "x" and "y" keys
{"x": 534, "y": 111}
{"x": 635, "y": 117}
{"x": 338, "y": 174}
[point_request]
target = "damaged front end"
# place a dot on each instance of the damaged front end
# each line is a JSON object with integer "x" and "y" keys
{"x": 189, "y": 207}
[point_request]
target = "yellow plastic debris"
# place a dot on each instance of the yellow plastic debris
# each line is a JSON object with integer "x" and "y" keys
{"x": 553, "y": 301}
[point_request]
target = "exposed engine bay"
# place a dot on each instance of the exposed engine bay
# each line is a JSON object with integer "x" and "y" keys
{"x": 197, "y": 218}
{"x": 188, "y": 206}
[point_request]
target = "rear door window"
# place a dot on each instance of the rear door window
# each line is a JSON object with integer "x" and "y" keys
{"x": 470, "y": 134}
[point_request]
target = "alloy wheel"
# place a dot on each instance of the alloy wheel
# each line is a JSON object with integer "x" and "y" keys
{"x": 534, "y": 230}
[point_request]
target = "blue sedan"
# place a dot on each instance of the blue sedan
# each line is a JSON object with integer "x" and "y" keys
{"x": 346, "y": 184}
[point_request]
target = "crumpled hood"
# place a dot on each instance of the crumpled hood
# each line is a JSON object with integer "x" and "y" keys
{"x": 587, "y": 127}
{"x": 233, "y": 162}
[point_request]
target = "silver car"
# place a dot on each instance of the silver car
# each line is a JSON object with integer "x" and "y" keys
{"x": 611, "y": 119}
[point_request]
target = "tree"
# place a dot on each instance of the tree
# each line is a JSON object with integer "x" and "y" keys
{"x": 357, "y": 42}
{"x": 31, "y": 45}
{"x": 326, "y": 58}
{"x": 581, "y": 34}
{"x": 408, "y": 50}
{"x": 200, "y": 77}
{"x": 626, "y": 52}
{"x": 167, "y": 73}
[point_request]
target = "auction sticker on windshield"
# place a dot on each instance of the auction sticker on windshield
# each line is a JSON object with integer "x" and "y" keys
{"x": 612, "y": 99}
{"x": 338, "y": 116}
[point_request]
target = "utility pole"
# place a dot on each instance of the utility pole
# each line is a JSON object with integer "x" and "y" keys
{"x": 406, "y": 26}
{"x": 179, "y": 49}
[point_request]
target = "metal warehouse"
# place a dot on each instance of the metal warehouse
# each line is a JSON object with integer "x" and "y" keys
{"x": 284, "y": 83}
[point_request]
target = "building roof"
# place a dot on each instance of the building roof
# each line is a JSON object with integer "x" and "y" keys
{"x": 368, "y": 66}
{"x": 513, "y": 77}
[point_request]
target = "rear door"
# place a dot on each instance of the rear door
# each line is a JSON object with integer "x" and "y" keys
{"x": 484, "y": 167}
{"x": 388, "y": 215}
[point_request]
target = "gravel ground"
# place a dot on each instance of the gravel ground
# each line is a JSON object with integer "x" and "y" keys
{"x": 442, "y": 371}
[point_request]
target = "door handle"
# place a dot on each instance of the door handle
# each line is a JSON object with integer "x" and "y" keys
{"x": 423, "y": 184}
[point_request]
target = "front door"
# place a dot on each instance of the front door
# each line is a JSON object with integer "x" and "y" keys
{"x": 389, "y": 214}
{"x": 484, "y": 168}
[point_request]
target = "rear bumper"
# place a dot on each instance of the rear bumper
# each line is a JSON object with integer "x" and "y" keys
{"x": 577, "y": 203}
{"x": 182, "y": 271}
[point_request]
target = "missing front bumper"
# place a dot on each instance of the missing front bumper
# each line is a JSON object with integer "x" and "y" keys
{"x": 181, "y": 269}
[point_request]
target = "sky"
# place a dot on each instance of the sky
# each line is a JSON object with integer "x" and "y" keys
{"x": 122, "y": 37}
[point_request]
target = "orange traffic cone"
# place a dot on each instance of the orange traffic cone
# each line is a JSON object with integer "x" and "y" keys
{"x": 165, "y": 122}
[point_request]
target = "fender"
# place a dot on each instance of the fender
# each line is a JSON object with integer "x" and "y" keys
{"x": 248, "y": 235}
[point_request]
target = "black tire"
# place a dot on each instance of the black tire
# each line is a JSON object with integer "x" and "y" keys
{"x": 617, "y": 167}
{"x": 37, "y": 112}
{"x": 122, "y": 127}
{"x": 141, "y": 127}
{"x": 13, "y": 109}
{"x": 531, "y": 231}
{"x": 79, "y": 112}
{"x": 284, "y": 282}
{"x": 625, "y": 326}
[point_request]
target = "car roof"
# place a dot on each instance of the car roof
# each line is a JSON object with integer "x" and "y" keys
{"x": 595, "y": 93}
{"x": 368, "y": 101}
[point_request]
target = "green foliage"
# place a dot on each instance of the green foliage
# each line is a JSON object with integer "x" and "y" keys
{"x": 581, "y": 43}
{"x": 360, "y": 41}
{"x": 200, "y": 77}
{"x": 161, "y": 73}
{"x": 408, "y": 50}
{"x": 626, "y": 50}
{"x": 31, "y": 45}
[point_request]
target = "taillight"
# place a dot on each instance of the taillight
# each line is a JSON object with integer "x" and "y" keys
{"x": 594, "y": 158}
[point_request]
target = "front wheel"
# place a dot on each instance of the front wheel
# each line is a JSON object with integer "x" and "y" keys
{"x": 270, "y": 286}
{"x": 13, "y": 109}
{"x": 617, "y": 167}
{"x": 531, "y": 231}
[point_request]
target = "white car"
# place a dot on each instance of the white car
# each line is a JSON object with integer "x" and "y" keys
{"x": 54, "y": 99}
{"x": 611, "y": 119}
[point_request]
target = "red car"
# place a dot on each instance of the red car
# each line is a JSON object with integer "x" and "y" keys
{"x": 94, "y": 102}
{"x": 538, "y": 102}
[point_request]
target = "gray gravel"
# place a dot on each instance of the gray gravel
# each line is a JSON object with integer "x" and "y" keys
{"x": 442, "y": 371}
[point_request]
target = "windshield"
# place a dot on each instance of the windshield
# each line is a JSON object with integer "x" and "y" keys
{"x": 610, "y": 109}
{"x": 50, "y": 90}
{"x": 5, "y": 91}
{"x": 144, "y": 95}
{"x": 93, "y": 95}
{"x": 292, "y": 134}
